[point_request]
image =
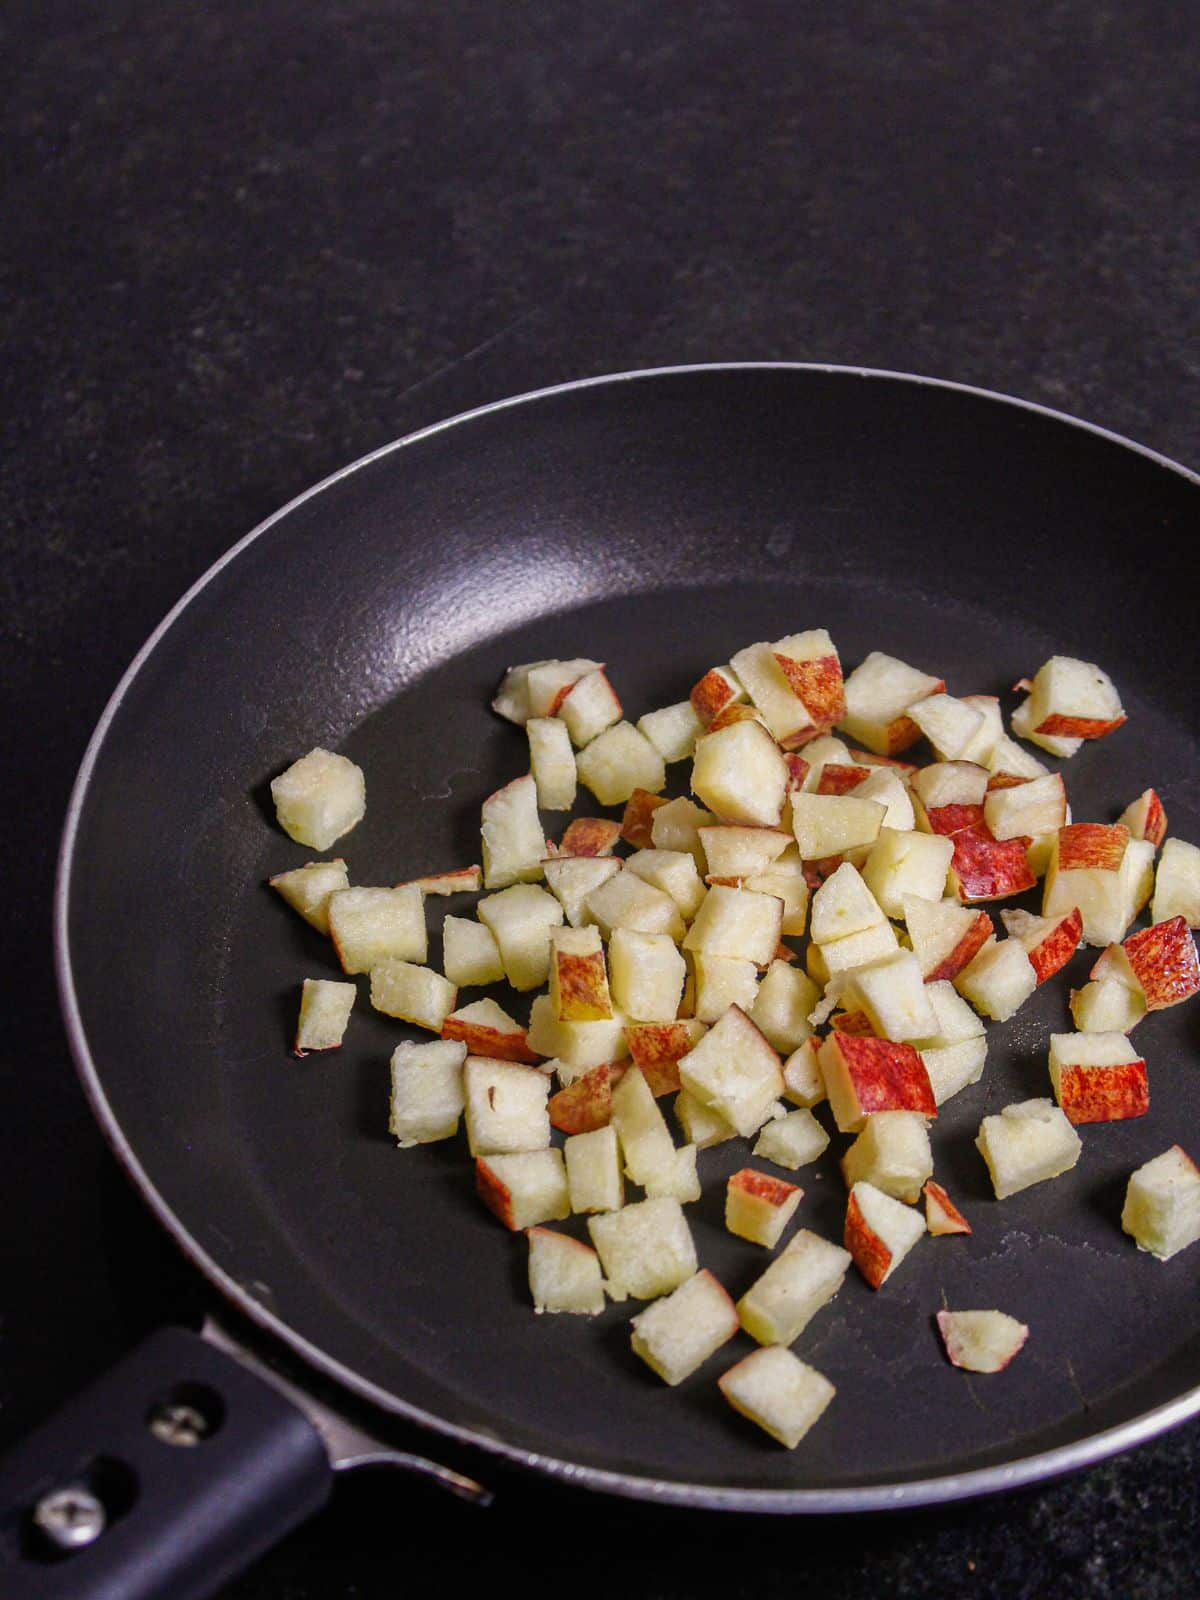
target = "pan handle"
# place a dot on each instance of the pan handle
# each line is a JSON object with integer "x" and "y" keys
{"x": 161, "y": 1481}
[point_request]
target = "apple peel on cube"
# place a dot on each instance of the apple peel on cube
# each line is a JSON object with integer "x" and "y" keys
{"x": 981, "y": 1341}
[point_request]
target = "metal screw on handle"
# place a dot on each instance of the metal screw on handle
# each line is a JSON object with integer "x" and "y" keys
{"x": 70, "y": 1518}
{"x": 179, "y": 1424}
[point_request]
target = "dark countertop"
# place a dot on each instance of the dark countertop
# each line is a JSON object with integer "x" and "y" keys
{"x": 242, "y": 246}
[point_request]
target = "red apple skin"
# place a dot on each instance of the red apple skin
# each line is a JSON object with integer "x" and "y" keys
{"x": 818, "y": 684}
{"x": 562, "y": 694}
{"x": 582, "y": 987}
{"x": 989, "y": 869}
{"x": 1060, "y": 727}
{"x": 871, "y": 1256}
{"x": 496, "y": 1196}
{"x": 494, "y": 1042}
{"x": 943, "y": 1321}
{"x": 885, "y": 1076}
{"x": 1059, "y": 945}
{"x": 656, "y": 1048}
{"x": 837, "y": 778}
{"x": 797, "y": 769}
{"x": 735, "y": 711}
{"x": 1164, "y": 962}
{"x": 856, "y": 1023}
{"x": 1092, "y": 844}
{"x": 760, "y": 1186}
{"x": 467, "y": 877}
{"x": 638, "y": 818}
{"x": 1154, "y": 824}
{"x": 710, "y": 695}
{"x": 868, "y": 758}
{"x": 904, "y": 732}
{"x": 952, "y": 1219}
{"x": 590, "y": 836}
{"x": 1104, "y": 1094}
{"x": 586, "y": 1104}
{"x": 965, "y": 951}
{"x": 949, "y": 820}
{"x": 1005, "y": 780}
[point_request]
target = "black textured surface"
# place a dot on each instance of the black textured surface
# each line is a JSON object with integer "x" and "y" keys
{"x": 239, "y": 251}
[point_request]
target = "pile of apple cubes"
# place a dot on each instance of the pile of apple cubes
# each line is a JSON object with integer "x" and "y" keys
{"x": 668, "y": 973}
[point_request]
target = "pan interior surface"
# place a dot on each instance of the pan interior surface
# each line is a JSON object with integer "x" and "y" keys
{"x": 657, "y": 523}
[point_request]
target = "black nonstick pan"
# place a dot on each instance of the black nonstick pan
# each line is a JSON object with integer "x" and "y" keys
{"x": 657, "y": 521}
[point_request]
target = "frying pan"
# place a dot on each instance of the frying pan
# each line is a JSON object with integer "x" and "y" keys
{"x": 657, "y": 521}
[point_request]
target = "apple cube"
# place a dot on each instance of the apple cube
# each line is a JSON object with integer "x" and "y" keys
{"x": 1027, "y": 1143}
{"x": 702, "y": 1125}
{"x": 864, "y": 1075}
{"x": 981, "y": 1341}
{"x": 571, "y": 880}
{"x": 676, "y": 826}
{"x": 627, "y": 901}
{"x": 412, "y": 993}
{"x": 880, "y": 1232}
{"x": 805, "y": 1275}
{"x": 906, "y": 863}
{"x": 678, "y": 1333}
{"x": 673, "y": 731}
{"x": 740, "y": 774}
{"x": 506, "y": 1107}
{"x": 1085, "y": 870}
{"x": 1177, "y": 884}
{"x": 512, "y": 697}
{"x": 551, "y": 763}
{"x": 990, "y": 734}
{"x": 721, "y": 982}
{"x": 619, "y": 761}
{"x": 594, "y": 1179}
{"x": 459, "y": 880}
{"x": 487, "y": 1030}
{"x": 587, "y": 836}
{"x": 1162, "y": 962}
{"x": 983, "y": 868}
{"x": 646, "y": 1249}
{"x": 819, "y": 753}
{"x": 1098, "y": 1077}
{"x": 782, "y": 712}
{"x": 1049, "y": 942}
{"x": 843, "y": 905}
{"x": 892, "y": 1153}
{"x": 564, "y": 1274}
{"x": 732, "y": 851}
{"x": 776, "y": 1390}
{"x": 810, "y": 663}
{"x": 999, "y": 980}
{"x": 831, "y": 824}
{"x": 950, "y": 725}
{"x": 942, "y": 1216}
{"x": 803, "y": 1081}
{"x": 578, "y": 975}
{"x": 878, "y": 694}
{"x": 512, "y": 840}
{"x": 520, "y": 919}
{"x": 758, "y": 1207}
{"x": 647, "y": 1148}
{"x": 892, "y": 994}
{"x": 1107, "y": 1005}
{"x": 1009, "y": 760}
{"x": 854, "y": 951}
{"x": 1145, "y": 818}
{"x": 780, "y": 1008}
{"x": 524, "y": 1189}
{"x": 736, "y": 923}
{"x": 585, "y": 1103}
{"x": 718, "y": 688}
{"x": 325, "y": 1009}
{"x": 371, "y": 925}
{"x": 637, "y": 820}
{"x": 1027, "y": 809}
{"x": 1022, "y": 723}
{"x": 734, "y": 1070}
{"x": 838, "y": 777}
{"x": 1071, "y": 699}
{"x": 656, "y": 1047}
{"x": 954, "y": 1057}
{"x": 950, "y": 783}
{"x": 945, "y": 936}
{"x": 470, "y": 954}
{"x": 427, "y": 1092}
{"x": 540, "y": 688}
{"x": 309, "y": 889}
{"x": 589, "y": 707}
{"x": 785, "y": 880}
{"x": 647, "y": 974}
{"x": 792, "y": 1141}
{"x": 674, "y": 872}
{"x": 319, "y": 798}
{"x": 579, "y": 1044}
{"x": 1162, "y": 1204}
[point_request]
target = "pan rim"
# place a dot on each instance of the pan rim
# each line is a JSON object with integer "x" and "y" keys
{"x": 936, "y": 1490}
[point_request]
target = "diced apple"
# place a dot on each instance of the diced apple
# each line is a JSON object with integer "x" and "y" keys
{"x": 594, "y": 1178}
{"x": 842, "y": 906}
{"x": 371, "y": 925}
{"x": 1162, "y": 962}
{"x": 1027, "y": 809}
{"x": 805, "y": 1275}
{"x": 637, "y": 821}
{"x": 702, "y": 1125}
{"x": 758, "y": 1207}
{"x": 981, "y": 1341}
{"x": 619, "y": 761}
{"x": 950, "y": 783}
{"x": 736, "y": 923}
{"x": 811, "y": 665}
{"x": 732, "y": 851}
{"x": 1145, "y": 818}
{"x": 945, "y": 936}
{"x": 325, "y": 1009}
{"x": 580, "y": 1044}
{"x": 506, "y": 1107}
{"x": 792, "y": 1141}
{"x": 586, "y": 1103}
{"x": 578, "y": 975}
{"x": 520, "y": 919}
{"x": 1027, "y": 1143}
{"x": 721, "y": 982}
{"x": 1071, "y": 699}
{"x": 547, "y": 683}
{"x": 589, "y": 836}
{"x": 1162, "y": 1204}
{"x": 880, "y": 1232}
{"x": 672, "y": 871}
{"x": 589, "y": 706}
{"x": 512, "y": 697}
{"x": 524, "y": 1189}
{"x": 893, "y": 1153}
{"x": 983, "y": 868}
{"x": 1177, "y": 884}
{"x": 1106, "y": 1005}
{"x": 942, "y": 1216}
{"x": 564, "y": 1274}
{"x": 949, "y": 820}
{"x": 512, "y": 840}
{"x": 676, "y": 826}
{"x": 470, "y": 954}
{"x": 1049, "y": 942}
{"x": 776, "y": 1390}
{"x": 1085, "y": 870}
{"x": 459, "y": 880}
{"x": 734, "y": 1070}
{"x": 309, "y": 889}
{"x": 646, "y": 1249}
{"x": 785, "y": 880}
{"x": 427, "y": 1092}
{"x": 487, "y": 1030}
{"x": 906, "y": 863}
{"x": 829, "y": 824}
{"x": 740, "y": 774}
{"x": 780, "y": 1008}
{"x": 647, "y": 1148}
{"x": 551, "y": 763}
{"x": 718, "y": 688}
{"x": 854, "y": 951}
{"x": 803, "y": 1081}
{"x": 673, "y": 731}
{"x": 1098, "y": 1077}
{"x": 647, "y": 975}
{"x": 838, "y": 777}
{"x": 627, "y": 901}
{"x": 878, "y": 694}
{"x": 571, "y": 880}
{"x": 950, "y": 725}
{"x": 990, "y": 734}
{"x": 864, "y": 1075}
{"x": 414, "y": 994}
{"x": 735, "y": 713}
{"x": 892, "y": 994}
{"x": 1022, "y": 723}
{"x": 657, "y": 1047}
{"x": 677, "y": 1334}
{"x": 784, "y": 714}
{"x": 319, "y": 798}
{"x": 999, "y": 980}
{"x": 1009, "y": 761}
{"x": 954, "y": 1067}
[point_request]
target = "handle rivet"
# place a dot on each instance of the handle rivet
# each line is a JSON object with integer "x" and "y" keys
{"x": 70, "y": 1518}
{"x": 177, "y": 1423}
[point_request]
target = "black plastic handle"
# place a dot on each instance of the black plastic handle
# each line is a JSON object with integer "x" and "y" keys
{"x": 194, "y": 1466}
